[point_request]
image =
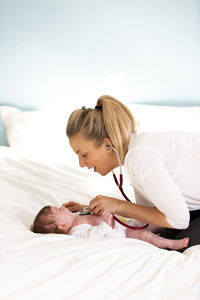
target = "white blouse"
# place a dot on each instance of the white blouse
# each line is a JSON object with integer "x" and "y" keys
{"x": 164, "y": 170}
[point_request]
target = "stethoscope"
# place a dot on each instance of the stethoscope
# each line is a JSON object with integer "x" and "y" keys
{"x": 119, "y": 184}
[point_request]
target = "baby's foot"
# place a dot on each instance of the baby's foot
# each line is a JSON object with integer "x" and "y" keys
{"x": 180, "y": 244}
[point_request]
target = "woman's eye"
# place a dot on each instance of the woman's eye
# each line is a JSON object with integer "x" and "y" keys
{"x": 83, "y": 155}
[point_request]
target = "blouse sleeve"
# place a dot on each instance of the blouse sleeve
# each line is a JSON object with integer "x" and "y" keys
{"x": 163, "y": 192}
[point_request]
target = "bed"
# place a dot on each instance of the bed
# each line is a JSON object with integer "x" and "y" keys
{"x": 38, "y": 168}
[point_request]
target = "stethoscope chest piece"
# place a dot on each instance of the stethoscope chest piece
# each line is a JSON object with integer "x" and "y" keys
{"x": 84, "y": 212}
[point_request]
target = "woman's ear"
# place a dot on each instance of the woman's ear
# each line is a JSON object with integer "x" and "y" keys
{"x": 108, "y": 144}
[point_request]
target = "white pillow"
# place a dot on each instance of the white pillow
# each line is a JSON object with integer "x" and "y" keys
{"x": 43, "y": 132}
{"x": 40, "y": 133}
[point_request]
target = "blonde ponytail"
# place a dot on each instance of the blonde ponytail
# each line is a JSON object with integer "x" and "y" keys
{"x": 119, "y": 122}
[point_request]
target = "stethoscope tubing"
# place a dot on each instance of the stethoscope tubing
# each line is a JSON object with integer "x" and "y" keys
{"x": 119, "y": 184}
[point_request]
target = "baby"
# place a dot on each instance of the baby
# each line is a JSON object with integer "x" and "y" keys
{"x": 52, "y": 219}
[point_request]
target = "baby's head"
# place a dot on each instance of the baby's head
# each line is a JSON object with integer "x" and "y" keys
{"x": 45, "y": 221}
{"x": 52, "y": 219}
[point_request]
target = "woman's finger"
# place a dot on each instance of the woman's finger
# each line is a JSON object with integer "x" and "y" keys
{"x": 73, "y": 206}
{"x": 95, "y": 202}
{"x": 70, "y": 203}
{"x": 96, "y": 210}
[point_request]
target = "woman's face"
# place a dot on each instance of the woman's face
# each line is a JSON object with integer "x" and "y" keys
{"x": 95, "y": 157}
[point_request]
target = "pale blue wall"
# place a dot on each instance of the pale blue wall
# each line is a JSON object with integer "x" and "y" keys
{"x": 137, "y": 50}
{"x": 56, "y": 51}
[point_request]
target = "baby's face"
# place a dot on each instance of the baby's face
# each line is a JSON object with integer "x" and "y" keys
{"x": 62, "y": 215}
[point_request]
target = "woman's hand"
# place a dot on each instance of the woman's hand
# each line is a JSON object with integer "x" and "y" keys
{"x": 101, "y": 203}
{"x": 74, "y": 206}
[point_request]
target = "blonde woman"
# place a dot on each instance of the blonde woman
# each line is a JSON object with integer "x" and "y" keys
{"x": 163, "y": 167}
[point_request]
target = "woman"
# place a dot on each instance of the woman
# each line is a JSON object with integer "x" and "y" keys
{"x": 163, "y": 168}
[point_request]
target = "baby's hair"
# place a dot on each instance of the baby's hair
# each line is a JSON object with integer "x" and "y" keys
{"x": 44, "y": 222}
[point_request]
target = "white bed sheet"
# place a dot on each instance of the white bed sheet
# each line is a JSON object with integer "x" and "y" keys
{"x": 37, "y": 266}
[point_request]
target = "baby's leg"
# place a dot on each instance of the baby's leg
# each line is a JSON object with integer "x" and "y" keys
{"x": 148, "y": 236}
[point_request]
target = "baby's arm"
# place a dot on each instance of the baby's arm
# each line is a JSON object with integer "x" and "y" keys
{"x": 108, "y": 218}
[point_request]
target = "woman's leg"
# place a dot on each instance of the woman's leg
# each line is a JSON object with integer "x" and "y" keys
{"x": 152, "y": 238}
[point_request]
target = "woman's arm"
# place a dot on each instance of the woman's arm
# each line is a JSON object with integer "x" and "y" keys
{"x": 150, "y": 215}
{"x": 146, "y": 214}
{"x": 149, "y": 174}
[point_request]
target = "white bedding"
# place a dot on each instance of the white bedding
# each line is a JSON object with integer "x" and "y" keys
{"x": 53, "y": 266}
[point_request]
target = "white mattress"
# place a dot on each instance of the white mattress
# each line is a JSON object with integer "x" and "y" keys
{"x": 53, "y": 266}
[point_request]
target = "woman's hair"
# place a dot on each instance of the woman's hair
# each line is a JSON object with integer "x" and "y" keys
{"x": 45, "y": 222}
{"x": 109, "y": 119}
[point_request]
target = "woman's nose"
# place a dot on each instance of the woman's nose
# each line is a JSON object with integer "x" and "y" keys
{"x": 82, "y": 163}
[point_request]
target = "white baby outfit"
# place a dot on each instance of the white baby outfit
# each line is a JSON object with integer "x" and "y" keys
{"x": 164, "y": 170}
{"x": 101, "y": 231}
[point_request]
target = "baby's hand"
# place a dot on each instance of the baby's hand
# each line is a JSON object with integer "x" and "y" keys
{"x": 108, "y": 218}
